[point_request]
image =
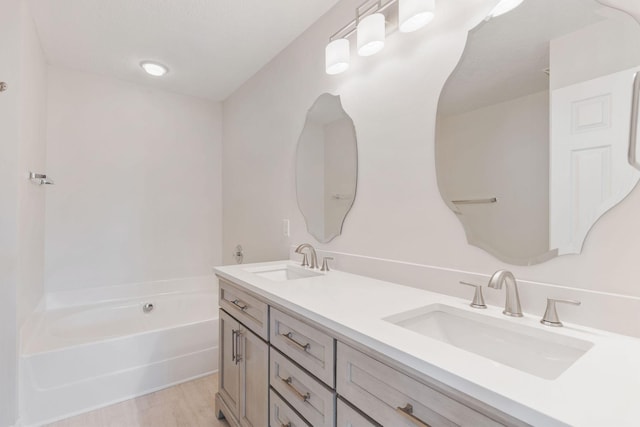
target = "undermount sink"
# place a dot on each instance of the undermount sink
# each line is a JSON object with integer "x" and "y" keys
{"x": 280, "y": 273}
{"x": 534, "y": 351}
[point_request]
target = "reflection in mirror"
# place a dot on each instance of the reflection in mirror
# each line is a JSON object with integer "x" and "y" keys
{"x": 533, "y": 127}
{"x": 326, "y": 168}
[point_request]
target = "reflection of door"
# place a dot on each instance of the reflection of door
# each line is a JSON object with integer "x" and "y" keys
{"x": 589, "y": 171}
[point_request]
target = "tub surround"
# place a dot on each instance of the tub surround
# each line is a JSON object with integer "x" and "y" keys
{"x": 600, "y": 388}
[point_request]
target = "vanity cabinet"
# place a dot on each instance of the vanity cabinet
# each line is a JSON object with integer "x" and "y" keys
{"x": 291, "y": 371}
{"x": 243, "y": 374}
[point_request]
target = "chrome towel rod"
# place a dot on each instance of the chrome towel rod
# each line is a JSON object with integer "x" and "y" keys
{"x": 475, "y": 201}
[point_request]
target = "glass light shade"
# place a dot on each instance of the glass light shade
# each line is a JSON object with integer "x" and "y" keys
{"x": 336, "y": 56}
{"x": 371, "y": 32}
{"x": 504, "y": 6}
{"x": 415, "y": 14}
{"x": 153, "y": 68}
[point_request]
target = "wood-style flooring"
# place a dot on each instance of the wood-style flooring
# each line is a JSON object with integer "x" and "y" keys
{"x": 185, "y": 405}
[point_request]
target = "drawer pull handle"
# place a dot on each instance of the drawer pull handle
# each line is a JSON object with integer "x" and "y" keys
{"x": 239, "y": 304}
{"x": 237, "y": 342}
{"x": 233, "y": 345}
{"x": 407, "y": 412}
{"x": 303, "y": 347}
{"x": 304, "y": 397}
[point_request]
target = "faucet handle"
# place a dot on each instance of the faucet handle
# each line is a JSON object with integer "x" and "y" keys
{"x": 550, "y": 317}
{"x": 325, "y": 264}
{"x": 478, "y": 299}
{"x": 305, "y": 260}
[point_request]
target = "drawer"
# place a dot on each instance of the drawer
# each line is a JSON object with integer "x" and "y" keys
{"x": 312, "y": 399}
{"x": 281, "y": 414}
{"x": 249, "y": 310}
{"x": 349, "y": 417}
{"x": 304, "y": 344}
{"x": 392, "y": 398}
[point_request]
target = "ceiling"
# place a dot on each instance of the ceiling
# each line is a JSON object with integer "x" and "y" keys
{"x": 210, "y": 46}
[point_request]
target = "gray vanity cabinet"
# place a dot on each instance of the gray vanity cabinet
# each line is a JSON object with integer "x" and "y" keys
{"x": 243, "y": 371}
{"x": 280, "y": 368}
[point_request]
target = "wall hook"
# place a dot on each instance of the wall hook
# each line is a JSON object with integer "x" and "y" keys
{"x": 40, "y": 179}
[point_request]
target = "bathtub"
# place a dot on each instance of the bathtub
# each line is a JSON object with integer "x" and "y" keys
{"x": 80, "y": 354}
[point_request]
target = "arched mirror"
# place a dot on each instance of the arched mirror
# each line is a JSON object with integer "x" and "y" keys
{"x": 326, "y": 167}
{"x": 533, "y": 127}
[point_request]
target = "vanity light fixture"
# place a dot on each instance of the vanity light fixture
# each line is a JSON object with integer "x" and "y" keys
{"x": 503, "y": 7}
{"x": 370, "y": 34}
{"x": 415, "y": 14}
{"x": 153, "y": 68}
{"x": 337, "y": 56}
{"x": 369, "y": 26}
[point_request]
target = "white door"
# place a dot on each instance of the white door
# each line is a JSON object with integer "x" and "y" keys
{"x": 589, "y": 168}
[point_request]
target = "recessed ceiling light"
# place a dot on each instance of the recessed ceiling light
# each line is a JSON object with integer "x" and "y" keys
{"x": 153, "y": 68}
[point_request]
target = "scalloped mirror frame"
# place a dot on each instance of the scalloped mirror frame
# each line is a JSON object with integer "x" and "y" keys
{"x": 319, "y": 187}
{"x": 473, "y": 236}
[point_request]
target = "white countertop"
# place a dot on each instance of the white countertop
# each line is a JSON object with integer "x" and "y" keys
{"x": 602, "y": 388}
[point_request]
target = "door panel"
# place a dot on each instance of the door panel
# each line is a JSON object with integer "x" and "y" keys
{"x": 589, "y": 168}
{"x": 229, "y": 373}
{"x": 254, "y": 380}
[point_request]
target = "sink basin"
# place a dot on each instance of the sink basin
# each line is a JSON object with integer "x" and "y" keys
{"x": 534, "y": 351}
{"x": 280, "y": 273}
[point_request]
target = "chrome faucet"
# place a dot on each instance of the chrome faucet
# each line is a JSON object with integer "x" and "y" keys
{"x": 313, "y": 263}
{"x": 512, "y": 303}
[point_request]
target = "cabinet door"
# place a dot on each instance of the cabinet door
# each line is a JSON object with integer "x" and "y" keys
{"x": 254, "y": 380}
{"x": 229, "y": 366}
{"x": 349, "y": 417}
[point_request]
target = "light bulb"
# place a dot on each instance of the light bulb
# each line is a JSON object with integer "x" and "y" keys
{"x": 415, "y": 14}
{"x": 504, "y": 6}
{"x": 153, "y": 68}
{"x": 336, "y": 56}
{"x": 371, "y": 32}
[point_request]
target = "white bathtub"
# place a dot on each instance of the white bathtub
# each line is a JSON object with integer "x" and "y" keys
{"x": 77, "y": 355}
